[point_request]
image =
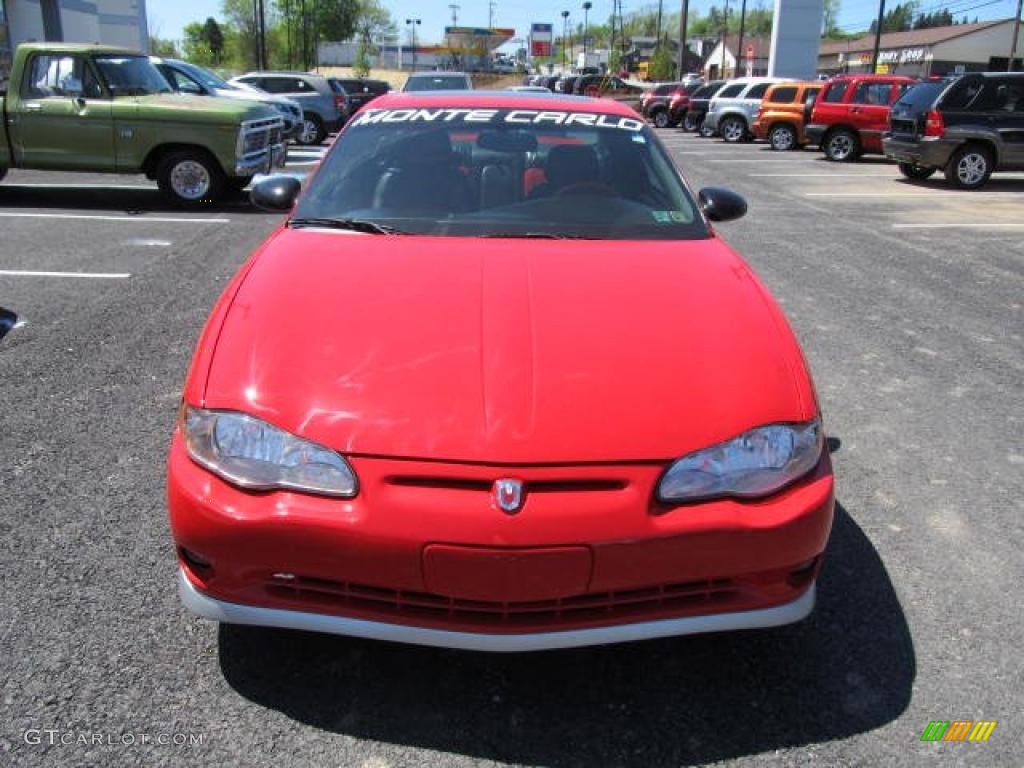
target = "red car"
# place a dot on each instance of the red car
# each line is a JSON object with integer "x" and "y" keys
{"x": 851, "y": 114}
{"x": 497, "y": 383}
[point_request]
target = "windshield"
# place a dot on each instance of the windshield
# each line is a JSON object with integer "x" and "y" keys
{"x": 500, "y": 172}
{"x": 204, "y": 76}
{"x": 921, "y": 96}
{"x": 436, "y": 83}
{"x": 131, "y": 75}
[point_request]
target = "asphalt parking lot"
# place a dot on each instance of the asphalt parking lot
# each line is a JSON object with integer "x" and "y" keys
{"x": 907, "y": 298}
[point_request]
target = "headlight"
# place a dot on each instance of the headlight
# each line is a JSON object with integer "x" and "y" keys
{"x": 255, "y": 455}
{"x": 756, "y": 463}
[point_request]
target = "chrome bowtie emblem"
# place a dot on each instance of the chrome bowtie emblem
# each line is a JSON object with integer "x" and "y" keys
{"x": 508, "y": 495}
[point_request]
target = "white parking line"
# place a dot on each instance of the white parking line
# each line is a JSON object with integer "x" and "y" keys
{"x": 91, "y": 275}
{"x": 822, "y": 175}
{"x": 133, "y": 219}
{"x": 33, "y": 185}
{"x": 944, "y": 195}
{"x": 962, "y": 225}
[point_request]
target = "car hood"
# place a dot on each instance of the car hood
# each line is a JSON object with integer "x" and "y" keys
{"x": 183, "y": 107}
{"x": 506, "y": 351}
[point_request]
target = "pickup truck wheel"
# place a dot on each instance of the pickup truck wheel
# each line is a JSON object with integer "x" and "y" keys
{"x": 312, "y": 130}
{"x": 782, "y": 138}
{"x": 661, "y": 118}
{"x": 189, "y": 177}
{"x": 970, "y": 167}
{"x": 733, "y": 130}
{"x": 916, "y": 172}
{"x": 842, "y": 146}
{"x": 690, "y": 123}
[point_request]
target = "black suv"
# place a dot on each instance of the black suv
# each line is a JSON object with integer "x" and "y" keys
{"x": 697, "y": 109}
{"x": 967, "y": 127}
{"x": 655, "y": 102}
{"x": 360, "y": 90}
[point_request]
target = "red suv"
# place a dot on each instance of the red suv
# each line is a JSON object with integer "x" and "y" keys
{"x": 852, "y": 113}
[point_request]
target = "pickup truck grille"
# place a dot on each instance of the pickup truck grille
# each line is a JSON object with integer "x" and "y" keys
{"x": 259, "y": 135}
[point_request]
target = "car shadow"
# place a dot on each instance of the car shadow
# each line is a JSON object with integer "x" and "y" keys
{"x": 112, "y": 198}
{"x": 845, "y": 670}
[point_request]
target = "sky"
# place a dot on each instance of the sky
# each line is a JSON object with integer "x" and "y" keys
{"x": 167, "y": 18}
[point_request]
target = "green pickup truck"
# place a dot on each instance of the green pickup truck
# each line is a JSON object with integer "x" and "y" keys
{"x": 74, "y": 107}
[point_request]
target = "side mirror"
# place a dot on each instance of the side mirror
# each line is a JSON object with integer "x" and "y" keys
{"x": 275, "y": 193}
{"x": 8, "y": 321}
{"x": 721, "y": 204}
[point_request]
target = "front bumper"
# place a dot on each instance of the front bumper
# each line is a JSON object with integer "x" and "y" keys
{"x": 711, "y": 120}
{"x": 263, "y": 161}
{"x": 233, "y": 613}
{"x": 422, "y": 556}
{"x": 925, "y": 152}
{"x": 815, "y": 133}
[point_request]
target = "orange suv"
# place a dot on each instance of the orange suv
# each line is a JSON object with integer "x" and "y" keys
{"x": 785, "y": 110}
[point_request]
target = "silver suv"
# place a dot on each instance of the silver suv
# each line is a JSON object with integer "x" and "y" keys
{"x": 734, "y": 108}
{"x": 189, "y": 78}
{"x": 324, "y": 109}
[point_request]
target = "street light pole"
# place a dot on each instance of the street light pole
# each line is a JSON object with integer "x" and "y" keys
{"x": 412, "y": 24}
{"x": 586, "y": 25}
{"x": 725, "y": 36}
{"x": 739, "y": 44}
{"x": 565, "y": 30}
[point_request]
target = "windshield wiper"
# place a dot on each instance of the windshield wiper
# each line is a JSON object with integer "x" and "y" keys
{"x": 356, "y": 225}
{"x": 535, "y": 235}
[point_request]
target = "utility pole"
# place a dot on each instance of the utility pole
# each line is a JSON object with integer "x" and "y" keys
{"x": 455, "y": 14}
{"x": 878, "y": 36}
{"x": 739, "y": 45}
{"x": 490, "y": 13}
{"x": 682, "y": 38}
{"x": 1016, "y": 34}
{"x": 657, "y": 30}
{"x": 264, "y": 64}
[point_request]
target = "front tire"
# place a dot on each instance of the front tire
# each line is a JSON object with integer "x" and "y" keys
{"x": 782, "y": 138}
{"x": 312, "y": 131}
{"x": 661, "y": 118}
{"x": 733, "y": 130}
{"x": 916, "y": 172}
{"x": 842, "y": 146}
{"x": 690, "y": 123}
{"x": 970, "y": 167}
{"x": 190, "y": 177}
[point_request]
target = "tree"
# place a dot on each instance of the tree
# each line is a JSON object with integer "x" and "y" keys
{"x": 159, "y": 46}
{"x": 661, "y": 66}
{"x": 214, "y": 39}
{"x": 373, "y": 23}
{"x": 830, "y": 20}
{"x": 196, "y": 49}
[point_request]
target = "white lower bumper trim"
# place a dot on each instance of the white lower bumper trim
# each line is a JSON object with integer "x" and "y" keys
{"x": 236, "y": 613}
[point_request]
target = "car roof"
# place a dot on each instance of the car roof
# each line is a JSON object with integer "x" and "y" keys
{"x": 81, "y": 48}
{"x": 282, "y": 72}
{"x": 483, "y": 99}
{"x": 437, "y": 74}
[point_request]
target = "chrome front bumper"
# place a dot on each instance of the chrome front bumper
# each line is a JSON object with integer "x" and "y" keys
{"x": 234, "y": 613}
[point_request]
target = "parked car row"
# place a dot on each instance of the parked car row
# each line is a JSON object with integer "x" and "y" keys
{"x": 967, "y": 126}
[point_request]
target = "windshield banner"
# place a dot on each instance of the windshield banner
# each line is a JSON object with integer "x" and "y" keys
{"x": 498, "y": 117}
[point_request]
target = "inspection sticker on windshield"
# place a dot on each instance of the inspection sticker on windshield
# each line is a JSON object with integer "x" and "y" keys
{"x": 670, "y": 217}
{"x": 498, "y": 117}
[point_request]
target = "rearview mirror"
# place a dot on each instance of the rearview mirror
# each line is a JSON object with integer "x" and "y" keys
{"x": 275, "y": 193}
{"x": 721, "y": 204}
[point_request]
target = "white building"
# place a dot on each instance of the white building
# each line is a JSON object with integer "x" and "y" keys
{"x": 112, "y": 22}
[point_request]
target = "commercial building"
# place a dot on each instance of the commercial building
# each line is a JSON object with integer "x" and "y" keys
{"x": 980, "y": 47}
{"x": 112, "y": 22}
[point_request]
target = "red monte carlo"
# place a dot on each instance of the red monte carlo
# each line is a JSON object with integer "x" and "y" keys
{"x": 498, "y": 384}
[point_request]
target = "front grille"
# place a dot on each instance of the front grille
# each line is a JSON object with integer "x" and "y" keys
{"x": 327, "y": 595}
{"x": 530, "y": 486}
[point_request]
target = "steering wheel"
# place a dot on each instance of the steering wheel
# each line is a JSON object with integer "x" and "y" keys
{"x": 587, "y": 188}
